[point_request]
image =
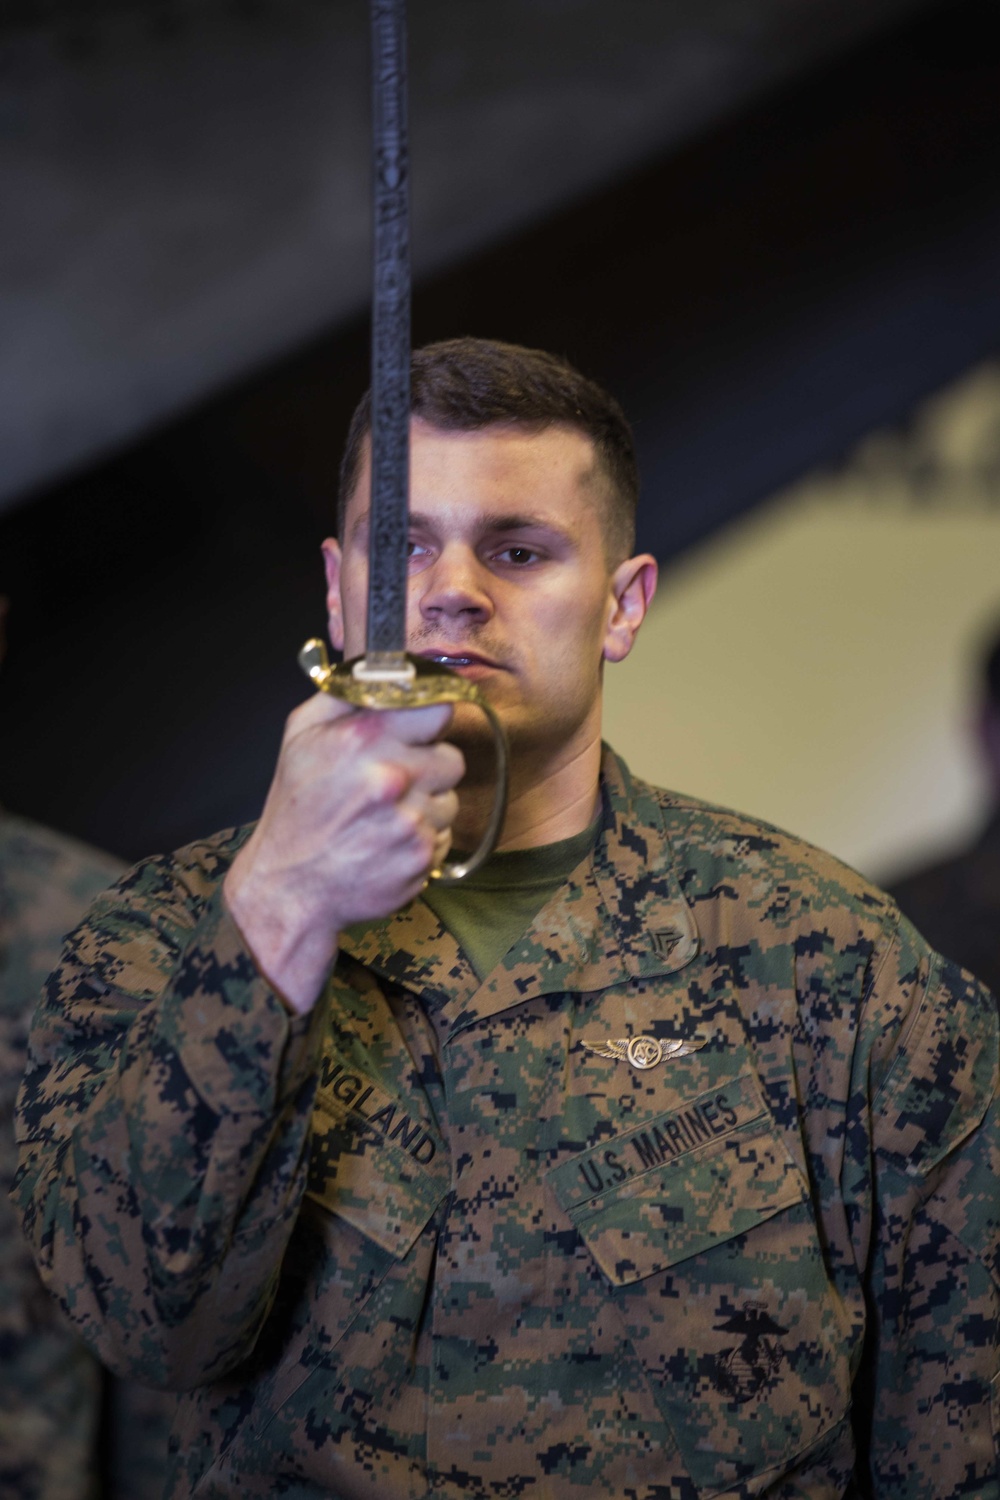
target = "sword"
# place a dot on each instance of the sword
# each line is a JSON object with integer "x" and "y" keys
{"x": 386, "y": 676}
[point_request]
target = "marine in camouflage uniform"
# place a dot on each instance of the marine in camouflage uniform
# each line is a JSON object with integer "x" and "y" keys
{"x": 431, "y": 1241}
{"x": 51, "y": 1387}
{"x": 693, "y": 1194}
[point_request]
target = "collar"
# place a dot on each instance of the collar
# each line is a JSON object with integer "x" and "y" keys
{"x": 621, "y": 915}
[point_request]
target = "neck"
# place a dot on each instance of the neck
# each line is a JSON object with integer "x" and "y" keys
{"x": 545, "y": 804}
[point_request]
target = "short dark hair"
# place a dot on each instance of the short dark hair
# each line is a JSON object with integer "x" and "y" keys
{"x": 462, "y": 385}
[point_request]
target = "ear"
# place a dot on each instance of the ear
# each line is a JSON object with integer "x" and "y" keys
{"x": 633, "y": 584}
{"x": 332, "y": 562}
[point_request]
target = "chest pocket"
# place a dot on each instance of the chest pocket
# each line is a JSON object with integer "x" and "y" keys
{"x": 701, "y": 1223}
{"x": 383, "y": 1172}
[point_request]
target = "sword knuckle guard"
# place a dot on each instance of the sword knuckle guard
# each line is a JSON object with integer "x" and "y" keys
{"x": 385, "y": 680}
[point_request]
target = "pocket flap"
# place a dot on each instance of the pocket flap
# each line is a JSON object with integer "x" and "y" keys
{"x": 385, "y": 1182}
{"x": 679, "y": 1183}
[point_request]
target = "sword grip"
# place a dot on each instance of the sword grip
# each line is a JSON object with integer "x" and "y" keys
{"x": 427, "y": 685}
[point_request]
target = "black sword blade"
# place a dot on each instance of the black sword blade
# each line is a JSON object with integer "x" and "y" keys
{"x": 385, "y": 677}
{"x": 388, "y": 524}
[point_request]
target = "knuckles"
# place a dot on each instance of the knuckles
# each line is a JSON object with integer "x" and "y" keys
{"x": 366, "y": 797}
{"x": 320, "y": 709}
{"x": 387, "y": 782}
{"x": 452, "y": 763}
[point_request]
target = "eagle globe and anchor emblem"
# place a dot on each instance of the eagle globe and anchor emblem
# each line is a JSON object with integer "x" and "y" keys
{"x": 746, "y": 1368}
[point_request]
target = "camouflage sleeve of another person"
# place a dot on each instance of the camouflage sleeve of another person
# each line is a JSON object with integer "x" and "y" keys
{"x": 163, "y": 1123}
{"x": 926, "y": 1156}
{"x": 50, "y": 1384}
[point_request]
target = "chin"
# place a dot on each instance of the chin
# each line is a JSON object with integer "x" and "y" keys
{"x": 469, "y": 726}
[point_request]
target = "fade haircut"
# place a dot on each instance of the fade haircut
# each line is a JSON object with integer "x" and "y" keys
{"x": 461, "y": 385}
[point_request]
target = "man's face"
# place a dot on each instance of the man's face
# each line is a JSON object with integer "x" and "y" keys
{"x": 509, "y": 582}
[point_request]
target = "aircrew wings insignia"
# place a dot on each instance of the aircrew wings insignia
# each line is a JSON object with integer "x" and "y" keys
{"x": 618, "y": 1049}
{"x": 644, "y": 1051}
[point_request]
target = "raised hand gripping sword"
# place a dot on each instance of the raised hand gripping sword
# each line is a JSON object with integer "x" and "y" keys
{"x": 386, "y": 676}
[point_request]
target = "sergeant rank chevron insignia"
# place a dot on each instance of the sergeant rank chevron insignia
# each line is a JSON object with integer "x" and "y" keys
{"x": 644, "y": 1051}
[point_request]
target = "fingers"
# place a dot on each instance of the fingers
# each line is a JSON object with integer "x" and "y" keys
{"x": 426, "y": 825}
{"x": 439, "y": 768}
{"x": 404, "y": 739}
{"x": 416, "y": 726}
{"x": 411, "y": 726}
{"x": 320, "y": 708}
{"x": 441, "y": 810}
{"x": 371, "y": 778}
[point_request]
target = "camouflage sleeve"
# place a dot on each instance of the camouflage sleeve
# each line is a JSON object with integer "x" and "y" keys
{"x": 163, "y": 1123}
{"x": 929, "y": 1393}
{"x": 49, "y": 1384}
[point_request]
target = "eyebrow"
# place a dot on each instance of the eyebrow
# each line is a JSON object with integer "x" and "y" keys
{"x": 499, "y": 521}
{"x": 495, "y": 523}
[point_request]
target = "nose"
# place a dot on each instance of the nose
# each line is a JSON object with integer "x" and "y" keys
{"x": 455, "y": 587}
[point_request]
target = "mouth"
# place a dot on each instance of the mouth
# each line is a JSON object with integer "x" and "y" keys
{"x": 457, "y": 660}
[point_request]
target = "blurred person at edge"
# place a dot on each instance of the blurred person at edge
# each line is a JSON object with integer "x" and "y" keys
{"x": 956, "y": 903}
{"x": 68, "y": 1430}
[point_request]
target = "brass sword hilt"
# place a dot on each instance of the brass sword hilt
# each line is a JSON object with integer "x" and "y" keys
{"x": 402, "y": 681}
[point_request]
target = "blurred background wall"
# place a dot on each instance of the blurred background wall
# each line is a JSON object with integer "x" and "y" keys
{"x": 772, "y": 228}
{"x": 818, "y": 660}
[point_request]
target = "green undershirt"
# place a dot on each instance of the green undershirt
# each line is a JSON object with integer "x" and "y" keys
{"x": 487, "y": 912}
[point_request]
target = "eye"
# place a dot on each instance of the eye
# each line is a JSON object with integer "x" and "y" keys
{"x": 518, "y": 557}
